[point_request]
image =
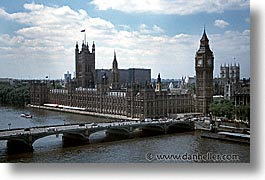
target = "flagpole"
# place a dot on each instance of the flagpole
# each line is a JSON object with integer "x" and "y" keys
{"x": 85, "y": 37}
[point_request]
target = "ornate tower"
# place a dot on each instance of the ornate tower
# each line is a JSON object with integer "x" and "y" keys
{"x": 204, "y": 65}
{"x": 85, "y": 66}
{"x": 158, "y": 84}
{"x": 115, "y": 75}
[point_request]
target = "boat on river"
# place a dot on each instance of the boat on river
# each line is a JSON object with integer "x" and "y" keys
{"x": 24, "y": 115}
{"x": 228, "y": 136}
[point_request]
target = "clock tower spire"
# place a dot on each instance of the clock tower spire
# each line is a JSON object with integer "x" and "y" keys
{"x": 204, "y": 65}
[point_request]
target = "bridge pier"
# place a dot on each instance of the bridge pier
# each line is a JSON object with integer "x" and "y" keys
{"x": 14, "y": 146}
{"x": 72, "y": 139}
{"x": 178, "y": 127}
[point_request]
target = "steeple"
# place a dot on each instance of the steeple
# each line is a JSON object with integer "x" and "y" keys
{"x": 93, "y": 47}
{"x": 158, "y": 84}
{"x": 158, "y": 78}
{"x": 115, "y": 75}
{"x": 204, "y": 40}
{"x": 204, "y": 43}
{"x": 114, "y": 63}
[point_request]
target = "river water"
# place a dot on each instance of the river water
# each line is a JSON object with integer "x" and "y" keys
{"x": 181, "y": 147}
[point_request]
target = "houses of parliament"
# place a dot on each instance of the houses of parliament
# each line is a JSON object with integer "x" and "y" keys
{"x": 129, "y": 92}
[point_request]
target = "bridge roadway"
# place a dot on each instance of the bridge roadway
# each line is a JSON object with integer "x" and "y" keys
{"x": 23, "y": 139}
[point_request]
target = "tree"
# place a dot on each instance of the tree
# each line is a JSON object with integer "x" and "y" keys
{"x": 222, "y": 108}
{"x": 14, "y": 95}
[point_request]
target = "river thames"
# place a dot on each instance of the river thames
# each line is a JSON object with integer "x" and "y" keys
{"x": 173, "y": 148}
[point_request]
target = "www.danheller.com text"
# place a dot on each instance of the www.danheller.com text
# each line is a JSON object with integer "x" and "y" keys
{"x": 196, "y": 157}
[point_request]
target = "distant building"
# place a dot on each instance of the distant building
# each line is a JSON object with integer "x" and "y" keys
{"x": 9, "y": 81}
{"x": 230, "y": 73}
{"x": 67, "y": 77}
{"x": 228, "y": 82}
{"x": 127, "y": 76}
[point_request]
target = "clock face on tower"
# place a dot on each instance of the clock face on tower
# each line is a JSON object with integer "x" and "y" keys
{"x": 200, "y": 63}
{"x": 209, "y": 62}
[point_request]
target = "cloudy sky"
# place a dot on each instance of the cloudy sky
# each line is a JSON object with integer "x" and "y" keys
{"x": 37, "y": 38}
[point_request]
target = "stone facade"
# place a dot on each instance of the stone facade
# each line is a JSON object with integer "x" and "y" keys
{"x": 39, "y": 91}
{"x": 135, "y": 101}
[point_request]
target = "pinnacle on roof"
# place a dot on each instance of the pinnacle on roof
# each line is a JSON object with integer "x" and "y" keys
{"x": 204, "y": 36}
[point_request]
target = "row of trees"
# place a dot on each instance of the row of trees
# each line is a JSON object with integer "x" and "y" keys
{"x": 226, "y": 108}
{"x": 18, "y": 96}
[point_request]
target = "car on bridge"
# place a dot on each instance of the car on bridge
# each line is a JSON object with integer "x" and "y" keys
{"x": 51, "y": 129}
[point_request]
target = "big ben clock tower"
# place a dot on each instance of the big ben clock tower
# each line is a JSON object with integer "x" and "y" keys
{"x": 204, "y": 65}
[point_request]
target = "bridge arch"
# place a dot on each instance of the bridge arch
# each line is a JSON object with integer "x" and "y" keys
{"x": 153, "y": 129}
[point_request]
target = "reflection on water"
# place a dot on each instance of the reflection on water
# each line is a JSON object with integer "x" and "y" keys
{"x": 49, "y": 149}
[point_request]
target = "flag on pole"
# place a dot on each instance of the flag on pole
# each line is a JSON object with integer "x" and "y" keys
{"x": 83, "y": 30}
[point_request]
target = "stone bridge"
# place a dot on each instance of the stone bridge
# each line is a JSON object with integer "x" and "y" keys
{"x": 23, "y": 139}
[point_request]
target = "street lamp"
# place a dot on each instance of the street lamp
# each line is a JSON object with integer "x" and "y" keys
{"x": 9, "y": 124}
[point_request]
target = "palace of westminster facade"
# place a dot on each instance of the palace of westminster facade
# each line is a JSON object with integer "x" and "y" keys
{"x": 133, "y": 99}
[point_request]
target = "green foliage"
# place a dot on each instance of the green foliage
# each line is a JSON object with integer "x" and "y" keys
{"x": 222, "y": 108}
{"x": 58, "y": 86}
{"x": 243, "y": 112}
{"x": 18, "y": 96}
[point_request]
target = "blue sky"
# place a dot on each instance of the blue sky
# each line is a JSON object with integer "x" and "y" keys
{"x": 37, "y": 38}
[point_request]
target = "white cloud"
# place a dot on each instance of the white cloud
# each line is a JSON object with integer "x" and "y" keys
{"x": 45, "y": 45}
{"x": 221, "y": 23}
{"x": 143, "y": 28}
{"x": 181, "y": 7}
{"x": 158, "y": 29}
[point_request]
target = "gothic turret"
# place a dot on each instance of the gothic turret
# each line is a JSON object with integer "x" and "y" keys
{"x": 114, "y": 63}
{"x": 93, "y": 48}
{"x": 158, "y": 83}
{"x": 77, "y": 63}
{"x": 115, "y": 75}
